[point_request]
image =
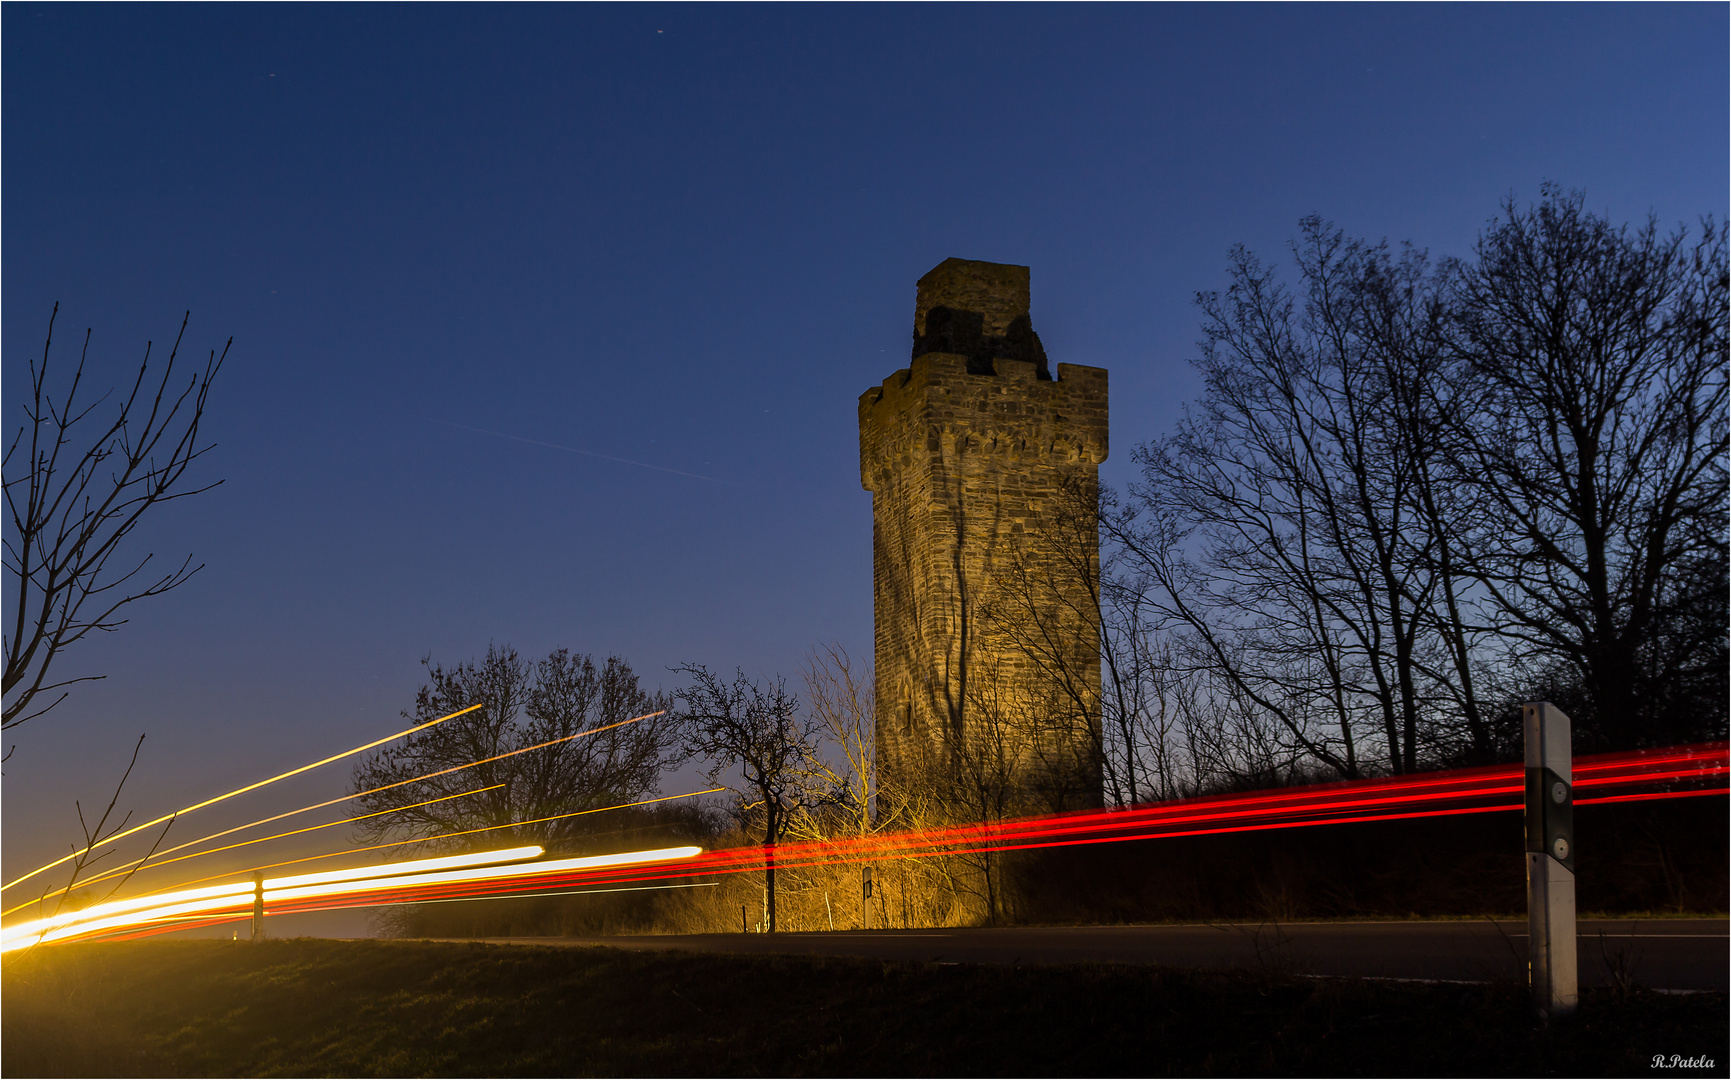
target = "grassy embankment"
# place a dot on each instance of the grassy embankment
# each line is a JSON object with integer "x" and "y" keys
{"x": 308, "y": 1007}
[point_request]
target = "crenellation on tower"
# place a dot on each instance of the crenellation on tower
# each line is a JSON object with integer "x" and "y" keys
{"x": 972, "y": 453}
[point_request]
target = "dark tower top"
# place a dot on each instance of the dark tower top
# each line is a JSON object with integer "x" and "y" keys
{"x": 978, "y": 310}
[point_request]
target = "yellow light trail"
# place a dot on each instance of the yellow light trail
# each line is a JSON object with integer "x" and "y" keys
{"x": 296, "y": 832}
{"x": 117, "y": 871}
{"x": 157, "y": 861}
{"x": 239, "y": 791}
{"x": 447, "y": 836}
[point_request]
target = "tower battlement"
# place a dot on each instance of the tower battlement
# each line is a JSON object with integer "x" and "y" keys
{"x": 973, "y": 453}
{"x": 1009, "y": 413}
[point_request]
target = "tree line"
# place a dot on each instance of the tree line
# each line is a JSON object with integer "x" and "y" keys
{"x": 1415, "y": 493}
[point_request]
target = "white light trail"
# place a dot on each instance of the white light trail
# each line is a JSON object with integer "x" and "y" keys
{"x": 274, "y": 891}
{"x": 475, "y": 868}
{"x": 419, "y": 866}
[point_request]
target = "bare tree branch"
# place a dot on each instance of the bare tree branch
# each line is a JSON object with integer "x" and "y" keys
{"x": 73, "y": 503}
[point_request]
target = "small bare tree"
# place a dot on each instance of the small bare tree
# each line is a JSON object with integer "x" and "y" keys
{"x": 760, "y": 746}
{"x": 75, "y": 500}
{"x": 94, "y": 837}
{"x": 990, "y": 775}
{"x": 843, "y": 704}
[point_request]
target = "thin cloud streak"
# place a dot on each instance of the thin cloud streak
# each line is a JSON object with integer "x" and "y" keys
{"x": 585, "y": 453}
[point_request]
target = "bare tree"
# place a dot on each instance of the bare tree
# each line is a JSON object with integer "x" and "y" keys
{"x": 524, "y": 705}
{"x": 75, "y": 499}
{"x": 95, "y": 836}
{"x": 1596, "y": 357}
{"x": 1412, "y": 488}
{"x": 851, "y": 800}
{"x": 988, "y": 776}
{"x": 1088, "y": 577}
{"x": 1306, "y": 527}
{"x": 759, "y": 745}
{"x": 1144, "y": 693}
{"x": 843, "y": 764}
{"x": 1047, "y": 609}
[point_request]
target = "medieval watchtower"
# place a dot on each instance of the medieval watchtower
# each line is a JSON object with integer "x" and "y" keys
{"x": 978, "y": 462}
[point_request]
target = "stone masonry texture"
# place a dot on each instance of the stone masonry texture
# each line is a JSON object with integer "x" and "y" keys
{"x": 987, "y": 638}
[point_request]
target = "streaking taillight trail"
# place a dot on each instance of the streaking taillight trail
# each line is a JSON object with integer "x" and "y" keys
{"x": 1671, "y": 773}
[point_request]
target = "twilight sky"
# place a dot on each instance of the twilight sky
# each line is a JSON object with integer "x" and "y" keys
{"x": 550, "y": 321}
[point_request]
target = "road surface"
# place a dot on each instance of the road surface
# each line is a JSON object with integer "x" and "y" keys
{"x": 1667, "y": 954}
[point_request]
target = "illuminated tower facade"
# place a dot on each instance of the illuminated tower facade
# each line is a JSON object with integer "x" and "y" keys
{"x": 983, "y": 465}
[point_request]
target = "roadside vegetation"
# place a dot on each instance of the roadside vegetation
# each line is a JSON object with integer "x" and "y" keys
{"x": 1651, "y": 860}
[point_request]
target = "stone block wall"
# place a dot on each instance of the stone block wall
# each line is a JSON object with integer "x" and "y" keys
{"x": 987, "y": 637}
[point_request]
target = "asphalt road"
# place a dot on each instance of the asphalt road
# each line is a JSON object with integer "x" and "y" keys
{"x": 1668, "y": 954}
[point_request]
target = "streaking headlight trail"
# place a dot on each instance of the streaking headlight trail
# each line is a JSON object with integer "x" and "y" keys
{"x": 377, "y": 883}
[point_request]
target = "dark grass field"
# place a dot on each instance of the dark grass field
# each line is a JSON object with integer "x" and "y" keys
{"x": 377, "y": 1008}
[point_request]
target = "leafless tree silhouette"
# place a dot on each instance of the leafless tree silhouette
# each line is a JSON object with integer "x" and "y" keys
{"x": 518, "y": 796}
{"x": 74, "y": 500}
{"x": 760, "y": 745}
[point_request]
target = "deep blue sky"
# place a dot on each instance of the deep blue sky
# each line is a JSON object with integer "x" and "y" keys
{"x": 687, "y": 237}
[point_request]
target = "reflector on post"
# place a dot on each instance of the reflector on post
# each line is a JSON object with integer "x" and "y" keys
{"x": 865, "y": 878}
{"x": 1550, "y": 812}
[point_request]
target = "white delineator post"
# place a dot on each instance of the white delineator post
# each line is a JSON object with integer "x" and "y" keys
{"x": 1550, "y": 811}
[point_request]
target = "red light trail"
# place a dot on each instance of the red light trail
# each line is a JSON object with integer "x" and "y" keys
{"x": 1671, "y": 773}
{"x": 1491, "y": 789}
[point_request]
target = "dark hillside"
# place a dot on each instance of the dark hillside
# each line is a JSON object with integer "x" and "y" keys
{"x": 368, "y": 1008}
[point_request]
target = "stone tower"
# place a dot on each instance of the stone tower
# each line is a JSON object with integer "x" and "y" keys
{"x": 977, "y": 460}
